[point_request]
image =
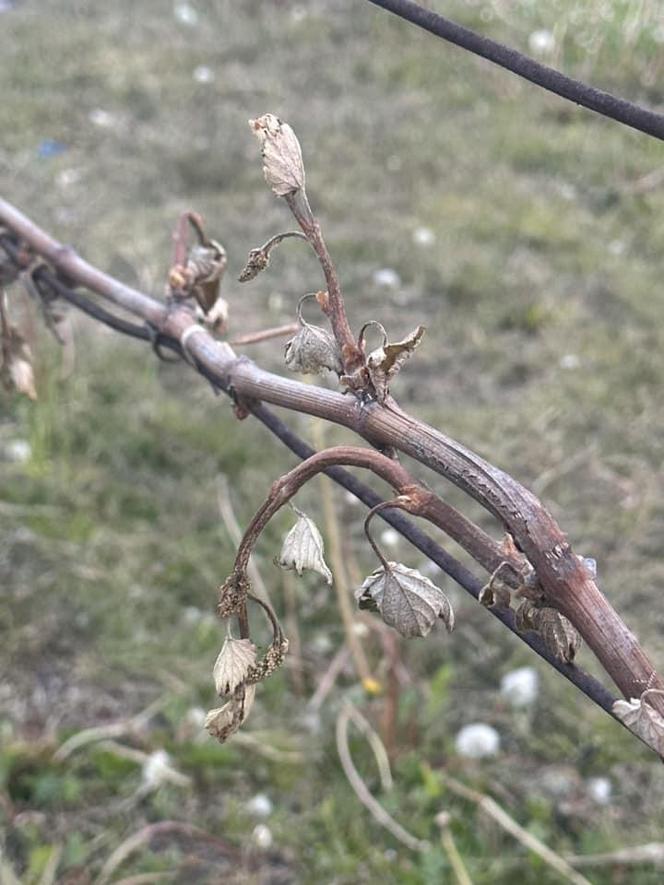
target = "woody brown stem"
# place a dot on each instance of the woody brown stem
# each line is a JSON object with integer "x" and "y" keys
{"x": 567, "y": 584}
{"x": 334, "y": 308}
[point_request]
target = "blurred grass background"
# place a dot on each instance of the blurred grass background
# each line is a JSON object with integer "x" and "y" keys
{"x": 525, "y": 233}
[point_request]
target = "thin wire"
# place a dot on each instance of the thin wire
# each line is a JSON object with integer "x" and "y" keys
{"x": 542, "y": 75}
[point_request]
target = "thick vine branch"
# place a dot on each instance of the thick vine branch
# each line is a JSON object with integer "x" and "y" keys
{"x": 566, "y": 582}
{"x": 548, "y": 78}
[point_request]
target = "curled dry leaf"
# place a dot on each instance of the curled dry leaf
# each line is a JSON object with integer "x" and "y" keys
{"x": 495, "y": 594}
{"x": 206, "y": 266}
{"x": 233, "y": 663}
{"x": 406, "y": 600}
{"x": 560, "y": 636}
{"x": 16, "y": 372}
{"x": 222, "y": 722}
{"x": 303, "y": 548}
{"x": 282, "y": 156}
{"x": 312, "y": 351}
{"x": 642, "y": 718}
{"x": 385, "y": 362}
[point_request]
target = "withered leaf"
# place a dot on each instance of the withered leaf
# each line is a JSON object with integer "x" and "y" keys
{"x": 385, "y": 362}
{"x": 222, "y": 722}
{"x": 303, "y": 548}
{"x": 560, "y": 636}
{"x": 495, "y": 595}
{"x": 406, "y": 600}
{"x": 234, "y": 661}
{"x": 313, "y": 350}
{"x": 282, "y": 156}
{"x": 642, "y": 718}
{"x": 206, "y": 265}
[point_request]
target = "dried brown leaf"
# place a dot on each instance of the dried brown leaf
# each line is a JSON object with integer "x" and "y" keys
{"x": 206, "y": 265}
{"x": 233, "y": 663}
{"x": 282, "y": 156}
{"x": 561, "y": 637}
{"x": 312, "y": 351}
{"x": 642, "y": 718}
{"x": 495, "y": 595}
{"x": 559, "y": 634}
{"x": 406, "y": 600}
{"x": 222, "y": 722}
{"x": 386, "y": 361}
{"x": 303, "y": 548}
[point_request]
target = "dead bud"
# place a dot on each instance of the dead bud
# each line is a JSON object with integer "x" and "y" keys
{"x": 274, "y": 658}
{"x": 259, "y": 258}
{"x": 233, "y": 593}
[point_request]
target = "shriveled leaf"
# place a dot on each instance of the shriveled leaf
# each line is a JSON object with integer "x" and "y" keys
{"x": 206, "y": 266}
{"x": 222, "y": 722}
{"x": 16, "y": 372}
{"x": 313, "y": 351}
{"x": 282, "y": 156}
{"x": 526, "y": 618}
{"x": 642, "y": 718}
{"x": 233, "y": 663}
{"x": 385, "y": 362}
{"x": 495, "y": 595}
{"x": 406, "y": 600}
{"x": 201, "y": 275}
{"x": 303, "y": 548}
{"x": 560, "y": 636}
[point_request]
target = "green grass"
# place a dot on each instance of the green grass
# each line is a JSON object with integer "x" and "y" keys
{"x": 543, "y": 301}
